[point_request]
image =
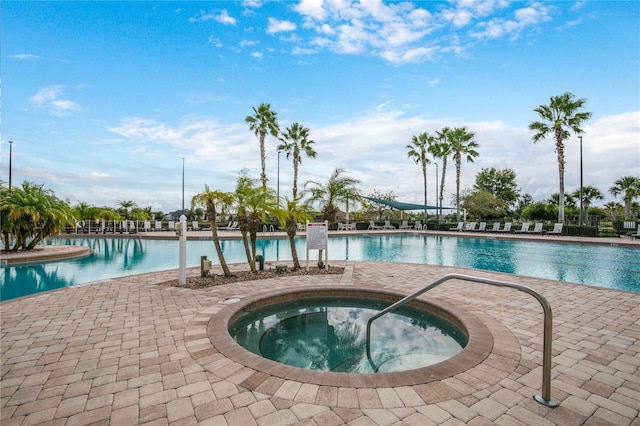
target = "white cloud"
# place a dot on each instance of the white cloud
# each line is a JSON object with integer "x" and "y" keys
{"x": 222, "y": 17}
{"x": 48, "y": 97}
{"x": 25, "y": 56}
{"x": 277, "y": 26}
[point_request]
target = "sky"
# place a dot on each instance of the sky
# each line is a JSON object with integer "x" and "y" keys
{"x": 111, "y": 101}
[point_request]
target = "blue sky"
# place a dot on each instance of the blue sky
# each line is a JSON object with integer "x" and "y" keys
{"x": 103, "y": 100}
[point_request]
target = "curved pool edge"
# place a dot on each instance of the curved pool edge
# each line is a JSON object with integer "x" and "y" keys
{"x": 479, "y": 347}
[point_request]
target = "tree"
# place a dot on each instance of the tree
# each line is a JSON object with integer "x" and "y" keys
{"x": 417, "y": 151}
{"x": 295, "y": 140}
{"x": 338, "y": 189}
{"x": 125, "y": 205}
{"x": 589, "y": 193}
{"x": 377, "y": 209}
{"x": 501, "y": 183}
{"x": 462, "y": 145}
{"x": 569, "y": 201}
{"x": 442, "y": 150}
{"x": 482, "y": 204}
{"x": 215, "y": 202}
{"x": 263, "y": 121}
{"x": 290, "y": 217}
{"x": 630, "y": 187}
{"x": 559, "y": 117}
{"x": 30, "y": 214}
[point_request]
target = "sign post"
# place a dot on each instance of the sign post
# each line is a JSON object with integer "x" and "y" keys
{"x": 317, "y": 234}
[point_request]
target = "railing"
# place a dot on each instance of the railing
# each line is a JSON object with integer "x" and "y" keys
{"x": 545, "y": 397}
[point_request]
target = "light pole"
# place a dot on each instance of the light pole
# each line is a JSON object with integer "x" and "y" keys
{"x": 10, "y": 158}
{"x": 278, "y": 180}
{"x": 182, "y": 185}
{"x": 437, "y": 210}
{"x": 581, "y": 194}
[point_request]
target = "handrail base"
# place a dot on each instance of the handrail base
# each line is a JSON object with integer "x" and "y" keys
{"x": 551, "y": 403}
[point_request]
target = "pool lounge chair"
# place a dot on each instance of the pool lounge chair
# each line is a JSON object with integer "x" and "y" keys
{"x": 537, "y": 229}
{"x": 557, "y": 229}
{"x": 405, "y": 225}
{"x": 372, "y": 225}
{"x": 195, "y": 226}
{"x": 417, "y": 225}
{"x": 147, "y": 225}
{"x": 636, "y": 235}
{"x": 388, "y": 225}
{"x": 524, "y": 229}
{"x": 471, "y": 226}
{"x": 506, "y": 228}
{"x": 496, "y": 227}
{"x": 457, "y": 228}
{"x": 158, "y": 226}
{"x": 481, "y": 228}
{"x": 231, "y": 226}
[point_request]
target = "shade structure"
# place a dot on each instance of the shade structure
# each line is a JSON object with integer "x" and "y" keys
{"x": 407, "y": 206}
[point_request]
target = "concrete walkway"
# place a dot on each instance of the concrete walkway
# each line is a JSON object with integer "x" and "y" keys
{"x": 133, "y": 351}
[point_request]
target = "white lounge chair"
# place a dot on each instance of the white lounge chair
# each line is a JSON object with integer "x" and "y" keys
{"x": 405, "y": 225}
{"x": 158, "y": 226}
{"x": 458, "y": 228}
{"x": 195, "y": 226}
{"x": 481, "y": 228}
{"x": 471, "y": 226}
{"x": 147, "y": 225}
{"x": 417, "y": 225}
{"x": 372, "y": 225}
{"x": 506, "y": 228}
{"x": 537, "y": 229}
{"x": 496, "y": 227}
{"x": 388, "y": 225}
{"x": 232, "y": 226}
{"x": 524, "y": 229}
{"x": 636, "y": 235}
{"x": 350, "y": 226}
{"x": 557, "y": 229}
{"x": 172, "y": 225}
{"x": 341, "y": 227}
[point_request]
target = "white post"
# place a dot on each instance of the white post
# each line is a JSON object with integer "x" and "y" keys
{"x": 182, "y": 276}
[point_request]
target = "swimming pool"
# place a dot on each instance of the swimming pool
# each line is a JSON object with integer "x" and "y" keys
{"x": 608, "y": 266}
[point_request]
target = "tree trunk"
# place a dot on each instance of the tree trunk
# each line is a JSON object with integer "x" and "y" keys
{"x": 291, "y": 233}
{"x": 263, "y": 176}
{"x": 424, "y": 175}
{"x": 560, "y": 152}
{"x": 444, "y": 172}
{"x": 211, "y": 212}
{"x": 458, "y": 165}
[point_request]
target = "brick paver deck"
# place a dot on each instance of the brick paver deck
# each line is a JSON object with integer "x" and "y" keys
{"x": 131, "y": 351}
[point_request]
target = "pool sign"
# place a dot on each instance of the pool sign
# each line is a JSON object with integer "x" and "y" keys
{"x": 317, "y": 233}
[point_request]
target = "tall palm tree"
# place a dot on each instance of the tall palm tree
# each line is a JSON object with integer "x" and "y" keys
{"x": 263, "y": 121}
{"x": 215, "y": 202}
{"x": 630, "y": 187}
{"x": 589, "y": 193}
{"x": 417, "y": 151}
{"x": 559, "y": 117}
{"x": 442, "y": 150}
{"x": 462, "y": 145}
{"x": 295, "y": 140}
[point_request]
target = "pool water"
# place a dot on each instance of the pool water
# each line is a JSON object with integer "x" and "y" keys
{"x": 330, "y": 335}
{"x": 615, "y": 267}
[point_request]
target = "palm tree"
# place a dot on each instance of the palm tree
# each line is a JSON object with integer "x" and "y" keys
{"x": 442, "y": 150}
{"x": 215, "y": 202}
{"x": 462, "y": 144}
{"x": 630, "y": 187}
{"x": 417, "y": 151}
{"x": 290, "y": 217}
{"x": 126, "y": 205}
{"x": 561, "y": 115}
{"x": 589, "y": 193}
{"x": 263, "y": 121}
{"x": 294, "y": 141}
{"x": 336, "y": 190}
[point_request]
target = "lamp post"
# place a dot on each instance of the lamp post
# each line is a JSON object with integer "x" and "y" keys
{"x": 278, "y": 180}
{"x": 10, "y": 158}
{"x": 581, "y": 194}
{"x": 438, "y": 213}
{"x": 182, "y": 185}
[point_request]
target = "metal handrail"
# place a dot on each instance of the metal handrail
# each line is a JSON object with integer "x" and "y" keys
{"x": 545, "y": 398}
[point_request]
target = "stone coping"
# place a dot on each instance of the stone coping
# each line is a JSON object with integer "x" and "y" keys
{"x": 44, "y": 254}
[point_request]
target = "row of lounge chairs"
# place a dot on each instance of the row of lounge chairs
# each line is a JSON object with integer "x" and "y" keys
{"x": 525, "y": 229}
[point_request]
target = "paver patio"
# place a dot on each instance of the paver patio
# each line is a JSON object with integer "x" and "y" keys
{"x": 131, "y": 351}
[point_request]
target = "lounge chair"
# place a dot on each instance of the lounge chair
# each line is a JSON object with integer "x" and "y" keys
{"x": 147, "y": 225}
{"x": 457, "y": 228}
{"x": 372, "y": 225}
{"x": 537, "y": 229}
{"x": 341, "y": 227}
{"x": 350, "y": 226}
{"x": 481, "y": 228}
{"x": 172, "y": 225}
{"x": 405, "y": 225}
{"x": 496, "y": 227}
{"x": 506, "y": 228}
{"x": 471, "y": 226}
{"x": 195, "y": 226}
{"x": 557, "y": 229}
{"x": 158, "y": 226}
{"x": 231, "y": 226}
{"x": 524, "y": 229}
{"x": 636, "y": 235}
{"x": 417, "y": 225}
{"x": 388, "y": 225}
